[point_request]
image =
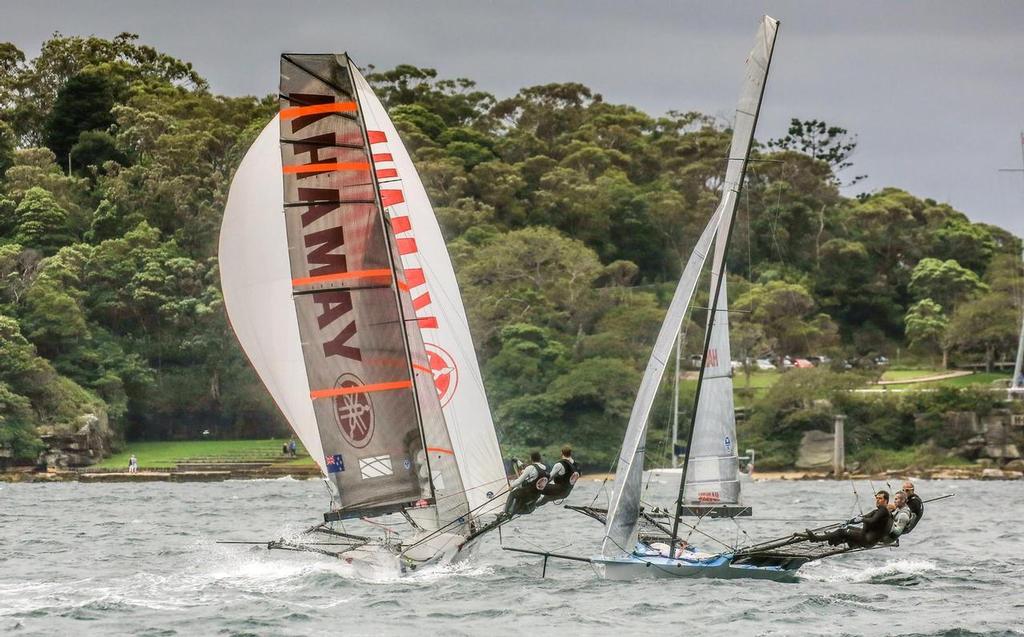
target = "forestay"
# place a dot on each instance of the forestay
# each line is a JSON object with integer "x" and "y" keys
{"x": 434, "y": 292}
{"x": 712, "y": 465}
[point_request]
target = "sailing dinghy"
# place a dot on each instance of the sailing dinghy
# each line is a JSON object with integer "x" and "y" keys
{"x": 340, "y": 289}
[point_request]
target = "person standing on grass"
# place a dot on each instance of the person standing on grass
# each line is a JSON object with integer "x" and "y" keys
{"x": 133, "y": 464}
{"x": 291, "y": 447}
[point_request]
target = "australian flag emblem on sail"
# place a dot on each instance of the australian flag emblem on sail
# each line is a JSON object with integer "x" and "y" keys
{"x": 335, "y": 464}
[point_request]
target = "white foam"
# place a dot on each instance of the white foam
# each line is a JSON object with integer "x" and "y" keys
{"x": 831, "y": 572}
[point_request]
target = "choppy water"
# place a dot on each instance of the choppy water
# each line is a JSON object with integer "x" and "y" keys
{"x": 141, "y": 559}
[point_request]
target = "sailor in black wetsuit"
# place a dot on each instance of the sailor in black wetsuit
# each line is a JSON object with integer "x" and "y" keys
{"x": 564, "y": 474}
{"x": 526, "y": 489}
{"x": 915, "y": 504}
{"x": 876, "y": 526}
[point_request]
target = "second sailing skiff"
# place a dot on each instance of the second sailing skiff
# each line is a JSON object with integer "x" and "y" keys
{"x": 340, "y": 289}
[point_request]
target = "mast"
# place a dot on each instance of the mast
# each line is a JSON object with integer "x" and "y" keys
{"x": 1017, "y": 381}
{"x": 675, "y": 401}
{"x": 733, "y": 185}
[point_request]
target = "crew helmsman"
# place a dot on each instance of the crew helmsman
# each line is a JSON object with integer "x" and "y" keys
{"x": 915, "y": 504}
{"x": 564, "y": 474}
{"x": 526, "y": 489}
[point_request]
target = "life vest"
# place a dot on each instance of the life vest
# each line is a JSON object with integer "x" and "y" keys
{"x": 916, "y": 507}
{"x": 540, "y": 481}
{"x": 561, "y": 485}
{"x": 568, "y": 477}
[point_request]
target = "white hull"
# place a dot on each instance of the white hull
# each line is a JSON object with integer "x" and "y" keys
{"x": 640, "y": 567}
{"x": 646, "y": 562}
{"x": 384, "y": 562}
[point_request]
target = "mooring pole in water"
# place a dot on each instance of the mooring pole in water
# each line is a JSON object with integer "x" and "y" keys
{"x": 839, "y": 447}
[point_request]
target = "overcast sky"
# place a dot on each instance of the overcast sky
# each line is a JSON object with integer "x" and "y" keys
{"x": 934, "y": 90}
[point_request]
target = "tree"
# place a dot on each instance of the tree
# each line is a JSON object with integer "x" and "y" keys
{"x": 987, "y": 324}
{"x": 94, "y": 148}
{"x": 945, "y": 282}
{"x": 831, "y": 144}
{"x": 83, "y": 104}
{"x": 7, "y": 146}
{"x": 926, "y": 325}
{"x": 785, "y": 311}
{"x": 533, "y": 275}
{"x": 41, "y": 222}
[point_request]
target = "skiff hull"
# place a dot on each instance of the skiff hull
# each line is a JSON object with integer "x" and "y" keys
{"x": 639, "y": 566}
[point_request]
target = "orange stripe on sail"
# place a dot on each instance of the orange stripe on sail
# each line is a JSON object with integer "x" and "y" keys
{"x": 414, "y": 277}
{"x": 400, "y": 224}
{"x": 421, "y": 368}
{"x": 441, "y": 450}
{"x": 341, "y": 276}
{"x": 326, "y": 167}
{"x": 359, "y": 389}
{"x": 421, "y": 301}
{"x": 317, "y": 109}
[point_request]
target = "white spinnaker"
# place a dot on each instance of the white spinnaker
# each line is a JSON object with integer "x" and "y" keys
{"x": 450, "y": 343}
{"x": 624, "y": 507}
{"x": 256, "y": 282}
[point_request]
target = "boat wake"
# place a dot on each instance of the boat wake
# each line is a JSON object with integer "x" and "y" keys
{"x": 896, "y": 572}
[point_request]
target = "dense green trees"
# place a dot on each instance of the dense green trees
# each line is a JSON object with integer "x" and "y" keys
{"x": 568, "y": 219}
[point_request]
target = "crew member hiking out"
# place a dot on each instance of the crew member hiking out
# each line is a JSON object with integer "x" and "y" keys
{"x": 526, "y": 489}
{"x": 915, "y": 505}
{"x": 902, "y": 517}
{"x": 564, "y": 474}
{"x": 875, "y": 527}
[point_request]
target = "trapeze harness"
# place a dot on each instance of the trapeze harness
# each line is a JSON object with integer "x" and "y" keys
{"x": 527, "y": 494}
{"x": 561, "y": 485}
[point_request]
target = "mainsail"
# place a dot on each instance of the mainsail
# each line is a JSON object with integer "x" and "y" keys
{"x": 624, "y": 507}
{"x": 430, "y": 281}
{"x": 331, "y": 302}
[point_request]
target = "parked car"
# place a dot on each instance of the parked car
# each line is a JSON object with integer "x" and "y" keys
{"x": 764, "y": 365}
{"x": 802, "y": 363}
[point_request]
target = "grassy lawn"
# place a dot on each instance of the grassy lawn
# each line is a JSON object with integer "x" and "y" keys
{"x": 908, "y": 374}
{"x": 164, "y": 455}
{"x": 980, "y": 379}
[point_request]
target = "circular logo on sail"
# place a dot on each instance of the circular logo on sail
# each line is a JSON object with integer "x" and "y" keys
{"x": 446, "y": 374}
{"x": 353, "y": 412}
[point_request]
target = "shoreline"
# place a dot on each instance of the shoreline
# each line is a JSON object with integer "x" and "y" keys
{"x": 313, "y": 473}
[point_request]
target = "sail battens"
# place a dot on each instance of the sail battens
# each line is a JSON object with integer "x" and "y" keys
{"x": 321, "y": 144}
{"x": 343, "y": 276}
{"x": 325, "y": 167}
{"x": 359, "y": 389}
{"x": 316, "y": 109}
{"x": 440, "y": 450}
